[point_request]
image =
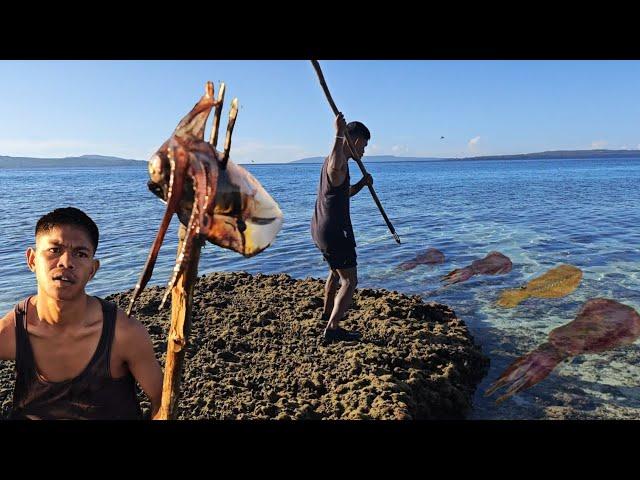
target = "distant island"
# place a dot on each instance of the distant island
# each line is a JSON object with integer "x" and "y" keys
{"x": 107, "y": 161}
{"x": 68, "y": 162}
{"x": 551, "y": 155}
{"x": 559, "y": 155}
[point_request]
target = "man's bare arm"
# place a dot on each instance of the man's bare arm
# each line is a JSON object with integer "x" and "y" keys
{"x": 138, "y": 353}
{"x": 355, "y": 188}
{"x": 336, "y": 167}
{"x": 8, "y": 337}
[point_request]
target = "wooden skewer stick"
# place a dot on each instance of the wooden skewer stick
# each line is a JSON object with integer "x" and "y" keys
{"x": 216, "y": 117}
{"x": 181, "y": 303}
{"x": 233, "y": 114}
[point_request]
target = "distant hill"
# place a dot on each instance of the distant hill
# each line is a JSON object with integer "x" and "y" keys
{"x": 67, "y": 162}
{"x": 561, "y": 154}
{"x": 554, "y": 154}
{"x": 107, "y": 161}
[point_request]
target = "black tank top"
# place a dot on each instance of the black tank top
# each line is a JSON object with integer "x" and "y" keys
{"x": 331, "y": 228}
{"x": 92, "y": 395}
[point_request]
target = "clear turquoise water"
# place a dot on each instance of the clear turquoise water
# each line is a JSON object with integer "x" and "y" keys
{"x": 539, "y": 213}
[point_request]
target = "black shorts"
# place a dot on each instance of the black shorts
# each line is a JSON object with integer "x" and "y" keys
{"x": 340, "y": 259}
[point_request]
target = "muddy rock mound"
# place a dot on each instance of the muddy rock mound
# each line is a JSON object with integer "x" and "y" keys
{"x": 255, "y": 352}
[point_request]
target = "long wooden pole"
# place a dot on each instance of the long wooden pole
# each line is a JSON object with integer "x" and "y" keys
{"x": 181, "y": 302}
{"x": 354, "y": 153}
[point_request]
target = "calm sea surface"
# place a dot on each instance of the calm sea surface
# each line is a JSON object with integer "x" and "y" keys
{"x": 540, "y": 213}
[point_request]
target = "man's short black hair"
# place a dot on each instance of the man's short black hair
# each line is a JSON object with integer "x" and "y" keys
{"x": 357, "y": 129}
{"x": 69, "y": 216}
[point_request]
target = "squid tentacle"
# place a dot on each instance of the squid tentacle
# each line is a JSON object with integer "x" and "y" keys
{"x": 175, "y": 192}
{"x": 196, "y": 172}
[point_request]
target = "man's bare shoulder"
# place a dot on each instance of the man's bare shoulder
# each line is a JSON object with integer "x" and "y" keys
{"x": 8, "y": 318}
{"x": 336, "y": 159}
{"x": 336, "y": 168}
{"x": 128, "y": 325}
{"x": 129, "y": 330}
{"x": 8, "y": 337}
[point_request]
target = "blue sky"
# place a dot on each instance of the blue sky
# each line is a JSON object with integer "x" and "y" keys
{"x": 128, "y": 108}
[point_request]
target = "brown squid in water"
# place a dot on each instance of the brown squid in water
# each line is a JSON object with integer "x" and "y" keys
{"x": 431, "y": 256}
{"x": 214, "y": 198}
{"x": 601, "y": 324}
{"x": 555, "y": 283}
{"x": 495, "y": 263}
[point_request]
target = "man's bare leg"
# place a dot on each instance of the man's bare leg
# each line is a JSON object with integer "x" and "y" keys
{"x": 348, "y": 281}
{"x": 330, "y": 288}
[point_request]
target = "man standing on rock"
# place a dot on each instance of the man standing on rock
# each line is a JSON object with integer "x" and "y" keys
{"x": 77, "y": 356}
{"x": 331, "y": 227}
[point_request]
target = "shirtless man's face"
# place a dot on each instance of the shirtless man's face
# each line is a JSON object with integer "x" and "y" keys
{"x": 360, "y": 144}
{"x": 63, "y": 262}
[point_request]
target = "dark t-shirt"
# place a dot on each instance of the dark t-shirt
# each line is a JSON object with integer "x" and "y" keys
{"x": 331, "y": 227}
{"x": 92, "y": 395}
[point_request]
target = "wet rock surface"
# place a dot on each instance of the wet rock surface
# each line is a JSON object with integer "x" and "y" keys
{"x": 255, "y": 352}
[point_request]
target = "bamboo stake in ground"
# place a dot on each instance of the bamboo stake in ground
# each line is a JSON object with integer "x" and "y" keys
{"x": 181, "y": 302}
{"x": 352, "y": 147}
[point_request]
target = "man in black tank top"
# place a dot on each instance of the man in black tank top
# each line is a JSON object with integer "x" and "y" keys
{"x": 331, "y": 227}
{"x": 77, "y": 356}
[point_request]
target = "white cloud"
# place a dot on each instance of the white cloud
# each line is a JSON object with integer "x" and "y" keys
{"x": 60, "y": 148}
{"x": 399, "y": 149}
{"x": 53, "y": 148}
{"x": 376, "y": 149}
{"x": 598, "y": 144}
{"x": 373, "y": 149}
{"x": 259, "y": 152}
{"x": 473, "y": 143}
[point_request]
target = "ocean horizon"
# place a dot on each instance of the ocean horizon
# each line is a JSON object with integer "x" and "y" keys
{"x": 538, "y": 212}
